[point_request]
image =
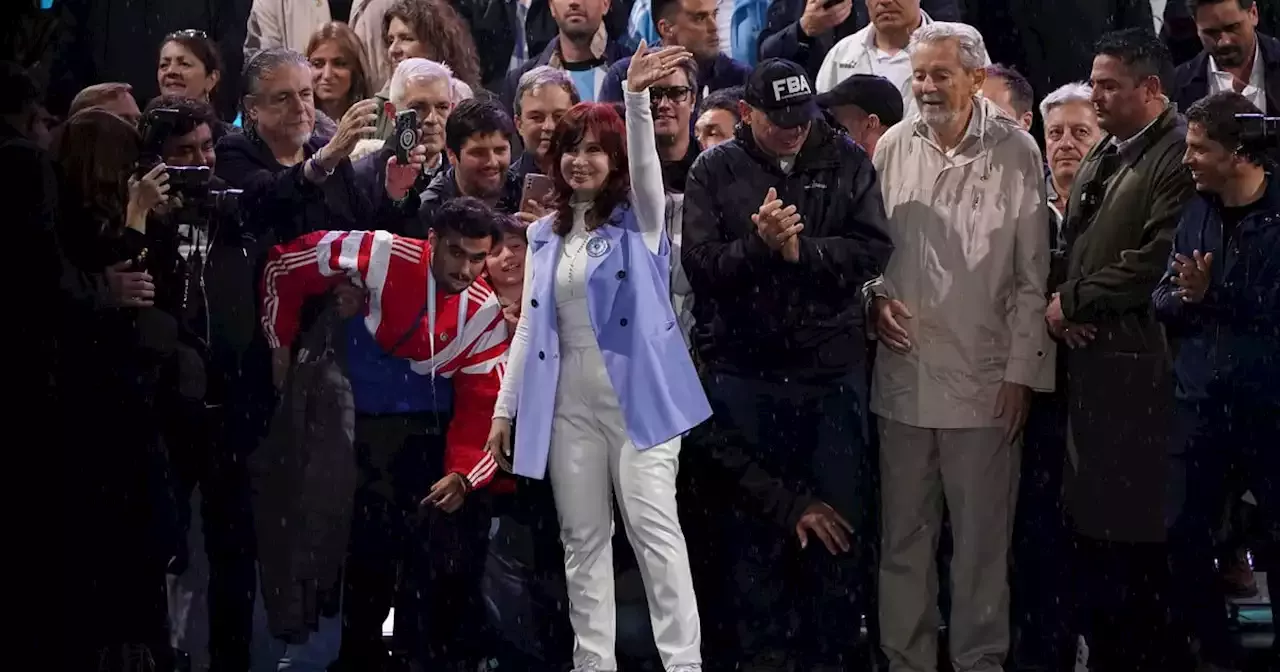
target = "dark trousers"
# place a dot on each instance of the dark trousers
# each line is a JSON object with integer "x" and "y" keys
{"x": 1039, "y": 576}
{"x": 813, "y": 438}
{"x": 207, "y": 450}
{"x": 117, "y": 533}
{"x": 1121, "y": 605}
{"x": 425, "y": 563}
{"x": 1218, "y": 446}
{"x": 524, "y": 584}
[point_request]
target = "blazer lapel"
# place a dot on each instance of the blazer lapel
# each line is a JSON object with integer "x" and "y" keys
{"x": 546, "y": 253}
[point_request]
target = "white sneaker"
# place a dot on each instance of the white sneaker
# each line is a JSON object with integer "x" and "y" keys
{"x": 1082, "y": 655}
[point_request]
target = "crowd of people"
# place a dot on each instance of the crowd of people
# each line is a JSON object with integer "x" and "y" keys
{"x": 675, "y": 334}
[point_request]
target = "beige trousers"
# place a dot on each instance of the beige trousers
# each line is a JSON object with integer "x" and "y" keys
{"x": 976, "y": 471}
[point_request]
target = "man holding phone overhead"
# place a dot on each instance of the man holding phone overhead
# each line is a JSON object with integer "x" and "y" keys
{"x": 422, "y": 88}
{"x": 804, "y": 31}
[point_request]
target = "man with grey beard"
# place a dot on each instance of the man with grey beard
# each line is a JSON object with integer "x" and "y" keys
{"x": 959, "y": 314}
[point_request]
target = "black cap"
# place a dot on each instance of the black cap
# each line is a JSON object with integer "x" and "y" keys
{"x": 781, "y": 89}
{"x": 874, "y": 94}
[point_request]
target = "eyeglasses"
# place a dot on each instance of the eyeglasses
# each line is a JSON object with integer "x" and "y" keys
{"x": 187, "y": 33}
{"x": 675, "y": 94}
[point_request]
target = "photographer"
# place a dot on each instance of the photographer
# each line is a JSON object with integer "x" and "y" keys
{"x": 107, "y": 371}
{"x": 204, "y": 282}
{"x": 1220, "y": 303}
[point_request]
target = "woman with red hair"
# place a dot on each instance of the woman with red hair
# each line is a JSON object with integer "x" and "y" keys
{"x": 599, "y": 374}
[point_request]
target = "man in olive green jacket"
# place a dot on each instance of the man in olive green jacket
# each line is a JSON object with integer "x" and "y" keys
{"x": 1121, "y": 216}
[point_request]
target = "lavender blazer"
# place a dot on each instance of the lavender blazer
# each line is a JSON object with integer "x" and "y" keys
{"x": 629, "y": 302}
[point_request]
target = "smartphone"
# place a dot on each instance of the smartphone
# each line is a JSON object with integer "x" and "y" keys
{"x": 537, "y": 188}
{"x": 831, "y": 3}
{"x": 406, "y": 135}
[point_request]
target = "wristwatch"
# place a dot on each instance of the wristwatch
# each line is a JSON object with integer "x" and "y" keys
{"x": 316, "y": 170}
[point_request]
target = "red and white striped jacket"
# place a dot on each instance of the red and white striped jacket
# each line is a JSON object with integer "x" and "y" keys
{"x": 395, "y": 272}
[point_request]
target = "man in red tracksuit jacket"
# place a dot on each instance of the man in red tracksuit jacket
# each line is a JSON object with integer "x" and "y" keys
{"x": 427, "y": 302}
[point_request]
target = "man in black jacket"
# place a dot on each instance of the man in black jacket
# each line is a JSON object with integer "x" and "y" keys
{"x": 781, "y": 225}
{"x": 205, "y": 285}
{"x": 1220, "y": 305}
{"x": 478, "y": 144}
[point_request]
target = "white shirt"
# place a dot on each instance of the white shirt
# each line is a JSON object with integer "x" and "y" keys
{"x": 1255, "y": 90}
{"x": 858, "y": 54}
{"x": 724, "y": 25}
{"x": 681, "y": 290}
{"x": 1157, "y": 13}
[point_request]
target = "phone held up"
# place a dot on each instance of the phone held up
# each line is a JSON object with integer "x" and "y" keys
{"x": 537, "y": 188}
{"x": 406, "y": 135}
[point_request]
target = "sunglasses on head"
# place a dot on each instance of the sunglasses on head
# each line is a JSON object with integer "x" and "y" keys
{"x": 187, "y": 33}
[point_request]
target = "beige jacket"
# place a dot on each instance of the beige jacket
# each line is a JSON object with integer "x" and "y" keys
{"x": 970, "y": 261}
{"x": 290, "y": 24}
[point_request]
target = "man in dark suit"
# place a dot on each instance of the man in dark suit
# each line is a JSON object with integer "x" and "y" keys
{"x": 1236, "y": 56}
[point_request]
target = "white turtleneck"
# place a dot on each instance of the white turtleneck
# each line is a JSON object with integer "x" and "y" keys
{"x": 648, "y": 198}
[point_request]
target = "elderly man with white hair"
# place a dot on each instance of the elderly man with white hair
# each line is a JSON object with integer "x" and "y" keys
{"x": 430, "y": 89}
{"x": 959, "y": 314}
{"x": 1070, "y": 131}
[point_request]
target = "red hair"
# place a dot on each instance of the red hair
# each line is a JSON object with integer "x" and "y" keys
{"x": 603, "y": 120}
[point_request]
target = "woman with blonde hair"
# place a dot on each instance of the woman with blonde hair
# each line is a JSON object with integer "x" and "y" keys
{"x": 338, "y": 68}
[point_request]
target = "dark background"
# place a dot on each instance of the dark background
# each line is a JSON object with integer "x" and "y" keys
{"x": 82, "y": 42}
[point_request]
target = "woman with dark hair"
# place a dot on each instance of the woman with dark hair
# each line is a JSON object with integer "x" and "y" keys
{"x": 599, "y": 374}
{"x": 338, "y": 68}
{"x": 431, "y": 29}
{"x": 107, "y": 368}
{"x": 190, "y": 65}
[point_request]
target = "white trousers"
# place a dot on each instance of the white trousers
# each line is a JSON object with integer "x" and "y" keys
{"x": 976, "y": 472}
{"x": 591, "y": 460}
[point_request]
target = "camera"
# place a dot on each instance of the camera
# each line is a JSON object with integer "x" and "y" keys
{"x": 193, "y": 185}
{"x": 1259, "y": 132}
{"x": 155, "y": 127}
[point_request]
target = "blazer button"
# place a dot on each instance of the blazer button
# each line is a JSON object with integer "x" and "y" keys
{"x": 533, "y": 302}
{"x": 542, "y": 354}
{"x": 623, "y": 322}
{"x": 622, "y": 275}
